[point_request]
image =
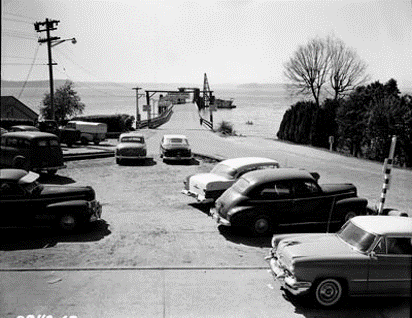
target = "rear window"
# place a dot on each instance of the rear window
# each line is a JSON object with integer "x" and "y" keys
{"x": 224, "y": 170}
{"x": 15, "y": 142}
{"x": 132, "y": 139}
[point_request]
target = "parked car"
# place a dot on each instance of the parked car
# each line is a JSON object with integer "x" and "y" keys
{"x": 369, "y": 255}
{"x": 26, "y": 202}
{"x": 89, "y": 132}
{"x": 67, "y": 135}
{"x": 207, "y": 187}
{"x": 265, "y": 199}
{"x": 175, "y": 147}
{"x": 131, "y": 146}
{"x": 31, "y": 150}
{"x": 23, "y": 128}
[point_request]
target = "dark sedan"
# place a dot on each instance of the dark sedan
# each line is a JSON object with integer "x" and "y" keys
{"x": 25, "y": 202}
{"x": 264, "y": 199}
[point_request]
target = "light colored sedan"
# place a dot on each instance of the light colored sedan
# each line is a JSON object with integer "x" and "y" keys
{"x": 370, "y": 256}
{"x": 131, "y": 146}
{"x": 175, "y": 147}
{"x": 207, "y": 187}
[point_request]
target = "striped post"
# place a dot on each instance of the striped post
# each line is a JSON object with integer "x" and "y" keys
{"x": 387, "y": 167}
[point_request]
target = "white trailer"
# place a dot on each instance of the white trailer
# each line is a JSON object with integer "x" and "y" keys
{"x": 89, "y": 132}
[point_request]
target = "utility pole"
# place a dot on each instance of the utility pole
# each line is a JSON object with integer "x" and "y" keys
{"x": 137, "y": 107}
{"x": 48, "y": 26}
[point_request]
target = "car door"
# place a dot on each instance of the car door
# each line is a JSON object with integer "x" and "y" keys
{"x": 13, "y": 204}
{"x": 310, "y": 206}
{"x": 275, "y": 200}
{"x": 390, "y": 266}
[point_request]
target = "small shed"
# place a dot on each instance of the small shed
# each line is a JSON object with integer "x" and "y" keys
{"x": 12, "y": 108}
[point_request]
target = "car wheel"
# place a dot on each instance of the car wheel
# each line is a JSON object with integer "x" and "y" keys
{"x": 261, "y": 226}
{"x": 67, "y": 222}
{"x": 118, "y": 161}
{"x": 328, "y": 292}
{"x": 96, "y": 141}
{"x": 348, "y": 216}
{"x": 20, "y": 162}
{"x": 84, "y": 141}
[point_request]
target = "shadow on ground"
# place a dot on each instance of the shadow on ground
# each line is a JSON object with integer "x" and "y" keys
{"x": 36, "y": 238}
{"x": 190, "y": 162}
{"x": 138, "y": 162}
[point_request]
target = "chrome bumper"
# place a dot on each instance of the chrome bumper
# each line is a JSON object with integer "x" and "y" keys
{"x": 96, "y": 209}
{"x": 219, "y": 220}
{"x": 288, "y": 282}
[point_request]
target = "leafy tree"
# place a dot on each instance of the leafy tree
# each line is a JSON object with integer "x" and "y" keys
{"x": 66, "y": 103}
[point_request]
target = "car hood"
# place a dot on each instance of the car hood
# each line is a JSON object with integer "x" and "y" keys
{"x": 130, "y": 145}
{"x": 68, "y": 191}
{"x": 314, "y": 246}
{"x": 209, "y": 181}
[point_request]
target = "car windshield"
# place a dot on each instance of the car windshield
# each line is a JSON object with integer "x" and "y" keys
{"x": 224, "y": 170}
{"x": 358, "y": 238}
{"x": 132, "y": 139}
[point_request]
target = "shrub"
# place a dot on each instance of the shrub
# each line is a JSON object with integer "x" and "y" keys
{"x": 226, "y": 128}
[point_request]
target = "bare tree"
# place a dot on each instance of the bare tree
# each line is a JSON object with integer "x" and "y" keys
{"x": 347, "y": 70}
{"x": 308, "y": 68}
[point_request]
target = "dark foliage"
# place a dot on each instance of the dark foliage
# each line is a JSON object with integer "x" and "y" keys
{"x": 362, "y": 124}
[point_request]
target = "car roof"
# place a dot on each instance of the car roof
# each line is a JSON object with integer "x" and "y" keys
{"x": 261, "y": 176}
{"x": 25, "y": 126}
{"x": 131, "y": 134}
{"x": 384, "y": 224}
{"x": 29, "y": 134}
{"x": 12, "y": 174}
{"x": 245, "y": 161}
{"x": 175, "y": 136}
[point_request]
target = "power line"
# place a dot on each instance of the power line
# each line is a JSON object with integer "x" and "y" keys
{"x": 19, "y": 16}
{"x": 31, "y": 68}
{"x": 14, "y": 20}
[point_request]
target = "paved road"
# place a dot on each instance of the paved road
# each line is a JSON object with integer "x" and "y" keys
{"x": 202, "y": 292}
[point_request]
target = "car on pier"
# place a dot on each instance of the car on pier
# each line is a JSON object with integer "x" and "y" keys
{"x": 264, "y": 200}
{"x": 368, "y": 256}
{"x": 207, "y": 187}
{"x": 131, "y": 146}
{"x": 27, "y": 203}
{"x": 175, "y": 147}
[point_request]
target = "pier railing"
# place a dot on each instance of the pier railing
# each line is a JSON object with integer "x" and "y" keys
{"x": 157, "y": 121}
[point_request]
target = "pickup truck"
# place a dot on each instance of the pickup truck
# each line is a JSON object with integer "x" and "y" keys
{"x": 67, "y": 135}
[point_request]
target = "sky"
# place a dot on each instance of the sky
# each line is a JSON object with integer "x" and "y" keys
{"x": 178, "y": 41}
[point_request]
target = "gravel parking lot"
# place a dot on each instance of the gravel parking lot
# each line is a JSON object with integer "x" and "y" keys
{"x": 148, "y": 222}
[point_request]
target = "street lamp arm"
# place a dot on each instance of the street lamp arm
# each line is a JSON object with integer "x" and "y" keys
{"x": 74, "y": 41}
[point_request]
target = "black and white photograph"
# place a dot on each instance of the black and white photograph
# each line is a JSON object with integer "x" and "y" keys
{"x": 222, "y": 158}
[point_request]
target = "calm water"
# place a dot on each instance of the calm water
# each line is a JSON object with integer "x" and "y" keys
{"x": 259, "y": 108}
